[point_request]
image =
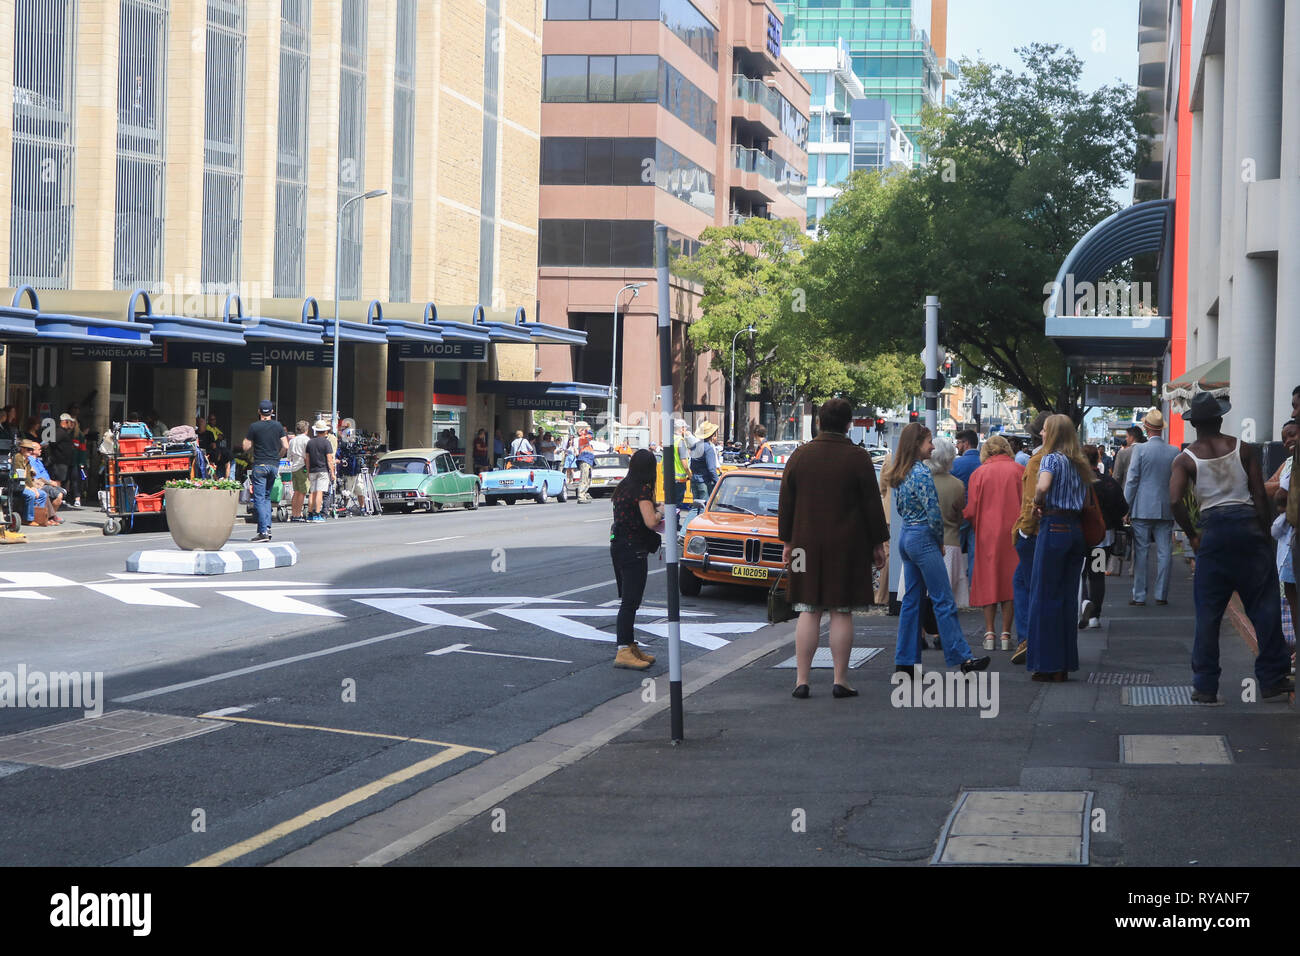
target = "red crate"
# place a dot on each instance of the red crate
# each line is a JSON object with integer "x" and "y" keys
{"x": 133, "y": 446}
{"x": 158, "y": 463}
{"x": 145, "y": 504}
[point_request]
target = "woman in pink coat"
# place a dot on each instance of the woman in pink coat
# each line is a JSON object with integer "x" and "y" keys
{"x": 992, "y": 507}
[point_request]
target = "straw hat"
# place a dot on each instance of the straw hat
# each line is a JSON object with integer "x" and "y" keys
{"x": 705, "y": 431}
{"x": 321, "y": 425}
{"x": 1153, "y": 419}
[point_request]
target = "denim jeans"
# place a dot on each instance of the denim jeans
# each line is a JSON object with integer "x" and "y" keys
{"x": 1059, "y": 554}
{"x": 631, "y": 567}
{"x": 1143, "y": 528}
{"x": 967, "y": 532}
{"x": 924, "y": 571}
{"x": 1236, "y": 555}
{"x": 1020, "y": 583}
{"x": 262, "y": 476}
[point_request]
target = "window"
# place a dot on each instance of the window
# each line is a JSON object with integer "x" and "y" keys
{"x": 595, "y": 243}
{"x": 600, "y": 162}
{"x": 566, "y": 9}
{"x": 559, "y": 242}
{"x": 638, "y": 9}
{"x": 837, "y": 167}
{"x": 630, "y": 161}
{"x": 638, "y": 79}
{"x": 633, "y": 243}
{"x": 564, "y": 161}
{"x": 604, "y": 9}
{"x": 566, "y": 79}
{"x": 600, "y": 79}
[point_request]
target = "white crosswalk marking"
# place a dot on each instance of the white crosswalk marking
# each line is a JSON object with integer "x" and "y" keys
{"x": 424, "y": 611}
{"x": 152, "y": 595}
{"x": 564, "y": 620}
{"x": 705, "y": 634}
{"x": 33, "y": 579}
{"x": 284, "y": 601}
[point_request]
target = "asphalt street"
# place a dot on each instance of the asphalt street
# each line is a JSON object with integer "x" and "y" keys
{"x": 400, "y": 651}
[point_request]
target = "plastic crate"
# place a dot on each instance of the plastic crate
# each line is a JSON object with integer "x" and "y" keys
{"x": 158, "y": 463}
{"x": 132, "y": 446}
{"x": 151, "y": 503}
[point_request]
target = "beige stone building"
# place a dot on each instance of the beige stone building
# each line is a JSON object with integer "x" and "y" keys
{"x": 194, "y": 149}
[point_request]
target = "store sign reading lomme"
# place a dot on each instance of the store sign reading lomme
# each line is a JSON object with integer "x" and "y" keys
{"x": 443, "y": 352}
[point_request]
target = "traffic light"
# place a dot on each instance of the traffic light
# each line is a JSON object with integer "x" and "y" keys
{"x": 913, "y": 416}
{"x": 880, "y": 424}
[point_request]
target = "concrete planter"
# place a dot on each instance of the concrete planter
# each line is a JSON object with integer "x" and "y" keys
{"x": 200, "y": 519}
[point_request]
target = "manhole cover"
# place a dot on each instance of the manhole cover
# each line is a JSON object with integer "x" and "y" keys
{"x": 1157, "y": 696}
{"x": 822, "y": 657}
{"x": 118, "y": 732}
{"x": 1119, "y": 677}
{"x": 1173, "y": 749}
{"x": 1017, "y": 828}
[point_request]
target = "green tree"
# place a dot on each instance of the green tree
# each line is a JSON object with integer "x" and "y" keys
{"x": 1021, "y": 166}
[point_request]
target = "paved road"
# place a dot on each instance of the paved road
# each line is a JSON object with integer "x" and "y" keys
{"x": 332, "y": 702}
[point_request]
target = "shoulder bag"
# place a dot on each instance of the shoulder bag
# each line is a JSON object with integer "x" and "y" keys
{"x": 778, "y": 603}
{"x": 1094, "y": 524}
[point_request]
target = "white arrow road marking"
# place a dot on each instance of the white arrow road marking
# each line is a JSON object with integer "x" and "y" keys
{"x": 454, "y": 537}
{"x": 26, "y": 595}
{"x": 419, "y": 609}
{"x": 286, "y": 602}
{"x": 561, "y": 620}
{"x": 461, "y": 649}
{"x": 34, "y": 579}
{"x": 150, "y": 595}
{"x": 703, "y": 635}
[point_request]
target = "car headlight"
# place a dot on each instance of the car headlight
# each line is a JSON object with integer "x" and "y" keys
{"x": 695, "y": 545}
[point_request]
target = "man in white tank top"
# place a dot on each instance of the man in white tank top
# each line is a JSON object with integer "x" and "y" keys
{"x": 1234, "y": 550}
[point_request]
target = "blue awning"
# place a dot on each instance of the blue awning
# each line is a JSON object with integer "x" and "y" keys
{"x": 543, "y": 334}
{"x": 259, "y": 328}
{"x": 18, "y": 320}
{"x": 82, "y": 328}
{"x": 180, "y": 328}
{"x": 354, "y": 333}
{"x": 399, "y": 331}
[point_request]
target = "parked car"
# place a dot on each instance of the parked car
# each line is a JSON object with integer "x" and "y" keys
{"x": 734, "y": 539}
{"x": 423, "y": 479}
{"x": 609, "y": 471}
{"x": 524, "y": 476}
{"x": 781, "y": 450}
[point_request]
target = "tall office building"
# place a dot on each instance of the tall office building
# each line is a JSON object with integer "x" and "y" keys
{"x": 845, "y": 131}
{"x": 191, "y": 149}
{"x": 656, "y": 112}
{"x": 892, "y": 58}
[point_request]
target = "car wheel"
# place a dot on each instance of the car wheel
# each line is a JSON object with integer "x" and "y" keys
{"x": 510, "y": 501}
{"x": 542, "y": 497}
{"x": 492, "y": 501}
{"x": 472, "y": 504}
{"x": 688, "y": 583}
{"x": 563, "y": 496}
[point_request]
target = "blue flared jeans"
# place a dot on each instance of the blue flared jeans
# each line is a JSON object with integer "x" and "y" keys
{"x": 1053, "y": 633}
{"x": 924, "y": 571}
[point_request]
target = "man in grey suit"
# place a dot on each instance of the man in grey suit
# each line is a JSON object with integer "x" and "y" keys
{"x": 1146, "y": 488}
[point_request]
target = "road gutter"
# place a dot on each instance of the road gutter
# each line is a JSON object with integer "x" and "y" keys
{"x": 450, "y": 803}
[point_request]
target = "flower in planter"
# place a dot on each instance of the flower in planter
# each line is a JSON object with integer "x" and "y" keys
{"x": 214, "y": 484}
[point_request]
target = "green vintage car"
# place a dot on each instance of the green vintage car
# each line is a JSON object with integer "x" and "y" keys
{"x": 423, "y": 479}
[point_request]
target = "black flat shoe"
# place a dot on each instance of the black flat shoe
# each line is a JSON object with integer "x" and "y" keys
{"x": 801, "y": 692}
{"x": 839, "y": 690}
{"x": 975, "y": 664}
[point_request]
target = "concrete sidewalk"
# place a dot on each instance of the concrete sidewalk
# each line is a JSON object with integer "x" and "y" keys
{"x": 763, "y": 779}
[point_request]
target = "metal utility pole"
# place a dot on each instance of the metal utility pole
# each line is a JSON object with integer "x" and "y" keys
{"x": 636, "y": 288}
{"x": 338, "y": 256}
{"x": 930, "y": 384}
{"x": 670, "y": 489}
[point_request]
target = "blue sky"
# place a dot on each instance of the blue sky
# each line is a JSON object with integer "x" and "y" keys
{"x": 1103, "y": 33}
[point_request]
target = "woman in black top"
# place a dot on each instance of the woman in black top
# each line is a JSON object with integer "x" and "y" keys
{"x": 631, "y": 539}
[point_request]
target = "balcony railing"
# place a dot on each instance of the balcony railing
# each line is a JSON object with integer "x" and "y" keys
{"x": 756, "y": 91}
{"x": 753, "y": 161}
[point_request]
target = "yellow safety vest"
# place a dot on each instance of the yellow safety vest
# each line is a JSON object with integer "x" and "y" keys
{"x": 679, "y": 466}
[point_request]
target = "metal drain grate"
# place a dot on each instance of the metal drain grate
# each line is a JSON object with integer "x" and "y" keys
{"x": 1119, "y": 677}
{"x": 822, "y": 657}
{"x": 118, "y": 732}
{"x": 1157, "y": 696}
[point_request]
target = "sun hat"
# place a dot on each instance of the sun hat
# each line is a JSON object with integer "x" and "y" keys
{"x": 1153, "y": 419}
{"x": 321, "y": 425}
{"x": 705, "y": 431}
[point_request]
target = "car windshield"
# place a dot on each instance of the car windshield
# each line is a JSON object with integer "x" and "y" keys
{"x": 613, "y": 461}
{"x": 523, "y": 461}
{"x": 403, "y": 466}
{"x": 783, "y": 447}
{"x": 747, "y": 494}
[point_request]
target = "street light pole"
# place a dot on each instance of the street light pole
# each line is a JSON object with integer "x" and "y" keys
{"x": 636, "y": 288}
{"x": 338, "y": 256}
{"x": 751, "y": 330}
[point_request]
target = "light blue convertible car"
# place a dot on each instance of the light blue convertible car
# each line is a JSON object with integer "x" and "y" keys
{"x": 524, "y": 476}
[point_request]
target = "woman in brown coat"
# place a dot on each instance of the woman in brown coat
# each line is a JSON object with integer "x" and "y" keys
{"x": 833, "y": 528}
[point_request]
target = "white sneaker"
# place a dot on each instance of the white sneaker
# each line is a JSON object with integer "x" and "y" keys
{"x": 1094, "y": 622}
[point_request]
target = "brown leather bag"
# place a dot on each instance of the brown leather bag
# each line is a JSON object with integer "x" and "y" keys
{"x": 1093, "y": 521}
{"x": 41, "y": 516}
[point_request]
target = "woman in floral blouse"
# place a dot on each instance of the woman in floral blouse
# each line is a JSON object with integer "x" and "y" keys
{"x": 921, "y": 545}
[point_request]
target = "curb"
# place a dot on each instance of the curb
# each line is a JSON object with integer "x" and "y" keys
{"x": 458, "y": 799}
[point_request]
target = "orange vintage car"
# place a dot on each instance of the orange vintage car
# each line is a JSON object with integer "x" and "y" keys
{"x": 734, "y": 538}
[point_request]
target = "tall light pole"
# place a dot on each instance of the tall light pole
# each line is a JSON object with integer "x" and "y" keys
{"x": 636, "y": 288}
{"x": 338, "y": 255}
{"x": 751, "y": 330}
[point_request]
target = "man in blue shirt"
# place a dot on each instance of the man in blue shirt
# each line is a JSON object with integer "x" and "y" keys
{"x": 968, "y": 459}
{"x": 43, "y": 491}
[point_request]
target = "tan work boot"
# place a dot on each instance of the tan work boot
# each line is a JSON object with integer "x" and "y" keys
{"x": 640, "y": 652}
{"x": 627, "y": 657}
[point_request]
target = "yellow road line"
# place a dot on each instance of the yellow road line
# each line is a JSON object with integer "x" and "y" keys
{"x": 316, "y": 814}
{"x": 353, "y": 733}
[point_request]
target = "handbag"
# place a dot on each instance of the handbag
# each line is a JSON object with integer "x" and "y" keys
{"x": 1123, "y": 538}
{"x": 779, "y": 608}
{"x": 1094, "y": 524}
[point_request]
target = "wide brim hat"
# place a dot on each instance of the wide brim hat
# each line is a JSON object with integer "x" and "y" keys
{"x": 1205, "y": 407}
{"x": 321, "y": 426}
{"x": 1154, "y": 419}
{"x": 705, "y": 431}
